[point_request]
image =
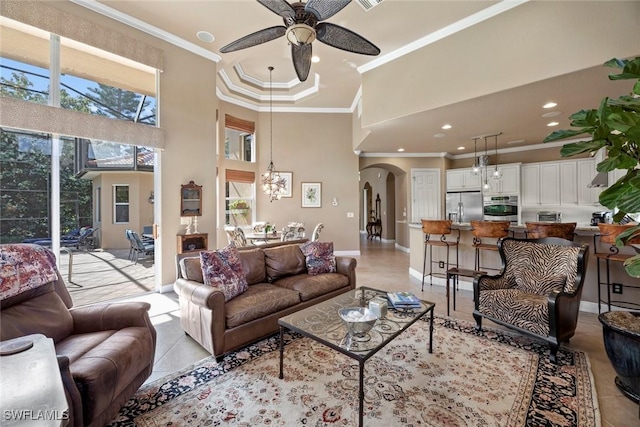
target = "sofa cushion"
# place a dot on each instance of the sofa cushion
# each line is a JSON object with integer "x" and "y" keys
{"x": 258, "y": 301}
{"x": 319, "y": 257}
{"x": 283, "y": 261}
{"x": 515, "y": 307}
{"x": 310, "y": 287}
{"x": 104, "y": 363}
{"x": 191, "y": 269}
{"x": 222, "y": 270}
{"x": 253, "y": 265}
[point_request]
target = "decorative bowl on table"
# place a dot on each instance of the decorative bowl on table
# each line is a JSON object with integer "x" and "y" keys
{"x": 359, "y": 320}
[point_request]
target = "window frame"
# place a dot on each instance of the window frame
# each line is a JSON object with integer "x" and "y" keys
{"x": 116, "y": 203}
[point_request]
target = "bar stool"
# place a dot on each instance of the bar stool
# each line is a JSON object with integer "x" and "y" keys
{"x": 431, "y": 230}
{"x": 539, "y": 230}
{"x": 607, "y": 236}
{"x": 489, "y": 229}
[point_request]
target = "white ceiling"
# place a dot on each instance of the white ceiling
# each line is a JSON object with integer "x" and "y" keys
{"x": 334, "y": 83}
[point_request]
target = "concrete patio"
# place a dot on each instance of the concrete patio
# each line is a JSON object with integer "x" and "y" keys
{"x": 103, "y": 275}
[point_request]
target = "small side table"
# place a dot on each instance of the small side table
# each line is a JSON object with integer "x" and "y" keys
{"x": 31, "y": 389}
{"x": 453, "y": 275}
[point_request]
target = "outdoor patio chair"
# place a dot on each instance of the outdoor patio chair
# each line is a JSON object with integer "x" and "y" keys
{"x": 140, "y": 247}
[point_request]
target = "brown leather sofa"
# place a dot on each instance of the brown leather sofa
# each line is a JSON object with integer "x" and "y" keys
{"x": 105, "y": 351}
{"x": 278, "y": 285}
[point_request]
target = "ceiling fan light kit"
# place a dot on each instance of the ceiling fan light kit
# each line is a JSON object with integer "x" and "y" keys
{"x": 301, "y": 27}
{"x": 300, "y": 34}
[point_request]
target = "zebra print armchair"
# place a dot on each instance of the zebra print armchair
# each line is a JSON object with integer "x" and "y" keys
{"x": 538, "y": 291}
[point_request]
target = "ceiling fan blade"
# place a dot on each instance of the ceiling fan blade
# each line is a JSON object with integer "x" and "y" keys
{"x": 324, "y": 9}
{"x": 341, "y": 38}
{"x": 301, "y": 60}
{"x": 282, "y": 8}
{"x": 256, "y": 38}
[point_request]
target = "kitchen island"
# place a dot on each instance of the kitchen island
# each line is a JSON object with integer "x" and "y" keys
{"x": 584, "y": 235}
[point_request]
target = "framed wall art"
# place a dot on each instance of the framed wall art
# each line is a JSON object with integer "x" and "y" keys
{"x": 311, "y": 194}
{"x": 288, "y": 179}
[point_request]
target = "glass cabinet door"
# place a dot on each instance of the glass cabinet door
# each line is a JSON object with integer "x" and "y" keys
{"x": 191, "y": 200}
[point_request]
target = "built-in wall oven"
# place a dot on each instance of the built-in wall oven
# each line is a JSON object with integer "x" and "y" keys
{"x": 500, "y": 208}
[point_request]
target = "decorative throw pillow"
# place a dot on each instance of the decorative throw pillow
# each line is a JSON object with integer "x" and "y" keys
{"x": 319, "y": 257}
{"x": 222, "y": 269}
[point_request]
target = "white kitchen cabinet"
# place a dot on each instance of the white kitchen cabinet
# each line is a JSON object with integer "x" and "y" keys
{"x": 586, "y": 172}
{"x": 508, "y": 184}
{"x": 561, "y": 183}
{"x": 462, "y": 180}
{"x": 541, "y": 184}
{"x": 568, "y": 183}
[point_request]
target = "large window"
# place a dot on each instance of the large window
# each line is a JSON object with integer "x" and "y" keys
{"x": 25, "y": 187}
{"x": 238, "y": 139}
{"x": 240, "y": 198}
{"x": 120, "y": 204}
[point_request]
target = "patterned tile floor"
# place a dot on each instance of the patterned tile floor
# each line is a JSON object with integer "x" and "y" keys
{"x": 107, "y": 275}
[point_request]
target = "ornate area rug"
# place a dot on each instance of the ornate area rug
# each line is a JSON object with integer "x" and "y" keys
{"x": 493, "y": 378}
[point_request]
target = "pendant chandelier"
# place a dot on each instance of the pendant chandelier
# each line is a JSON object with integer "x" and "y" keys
{"x": 496, "y": 174}
{"x": 272, "y": 183}
{"x": 486, "y": 185}
{"x": 475, "y": 169}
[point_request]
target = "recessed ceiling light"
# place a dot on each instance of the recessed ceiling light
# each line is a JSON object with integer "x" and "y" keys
{"x": 446, "y": 126}
{"x": 205, "y": 36}
{"x": 315, "y": 58}
{"x": 517, "y": 141}
{"x": 439, "y": 135}
{"x": 461, "y": 148}
{"x": 552, "y": 124}
{"x": 552, "y": 114}
{"x": 400, "y": 149}
{"x": 549, "y": 105}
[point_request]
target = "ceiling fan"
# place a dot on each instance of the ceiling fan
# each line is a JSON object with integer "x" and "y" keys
{"x": 302, "y": 27}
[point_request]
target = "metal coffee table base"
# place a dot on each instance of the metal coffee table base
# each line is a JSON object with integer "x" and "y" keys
{"x": 361, "y": 360}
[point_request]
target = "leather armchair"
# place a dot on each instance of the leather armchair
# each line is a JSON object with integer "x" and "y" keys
{"x": 538, "y": 291}
{"x": 105, "y": 351}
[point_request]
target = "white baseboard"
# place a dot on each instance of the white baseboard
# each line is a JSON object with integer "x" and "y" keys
{"x": 347, "y": 253}
{"x": 402, "y": 248}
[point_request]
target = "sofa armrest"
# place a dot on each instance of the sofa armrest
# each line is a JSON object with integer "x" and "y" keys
{"x": 109, "y": 316}
{"x": 199, "y": 294}
{"x": 71, "y": 392}
{"x": 347, "y": 266}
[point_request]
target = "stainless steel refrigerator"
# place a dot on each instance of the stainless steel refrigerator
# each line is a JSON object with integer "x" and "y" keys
{"x": 464, "y": 205}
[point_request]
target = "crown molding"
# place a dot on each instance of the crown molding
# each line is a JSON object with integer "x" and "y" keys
{"x": 255, "y": 107}
{"x": 372, "y": 154}
{"x": 226, "y": 80}
{"x": 541, "y": 146}
{"x": 249, "y": 79}
{"x": 146, "y": 28}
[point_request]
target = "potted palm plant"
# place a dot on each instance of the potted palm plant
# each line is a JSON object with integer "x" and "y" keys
{"x": 615, "y": 127}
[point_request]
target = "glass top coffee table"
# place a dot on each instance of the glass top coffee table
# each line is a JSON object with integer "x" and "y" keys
{"x": 322, "y": 323}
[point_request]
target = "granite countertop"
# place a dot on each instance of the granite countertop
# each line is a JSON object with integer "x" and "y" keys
{"x": 465, "y": 226}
